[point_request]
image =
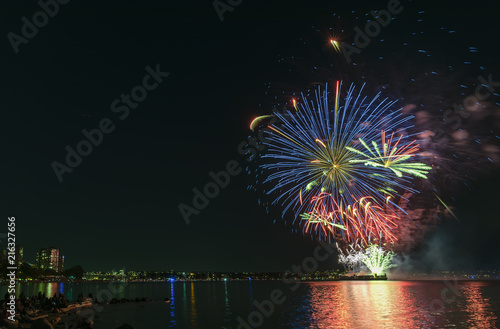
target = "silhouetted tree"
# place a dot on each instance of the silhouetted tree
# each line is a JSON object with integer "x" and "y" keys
{"x": 75, "y": 272}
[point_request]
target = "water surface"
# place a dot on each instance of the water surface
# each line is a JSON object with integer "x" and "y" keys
{"x": 337, "y": 304}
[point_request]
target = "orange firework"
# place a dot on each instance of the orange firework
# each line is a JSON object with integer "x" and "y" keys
{"x": 361, "y": 221}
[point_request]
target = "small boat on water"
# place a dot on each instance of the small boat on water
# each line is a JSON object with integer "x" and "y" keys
{"x": 363, "y": 277}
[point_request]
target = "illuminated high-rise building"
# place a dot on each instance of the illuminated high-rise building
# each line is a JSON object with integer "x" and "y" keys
{"x": 18, "y": 255}
{"x": 50, "y": 258}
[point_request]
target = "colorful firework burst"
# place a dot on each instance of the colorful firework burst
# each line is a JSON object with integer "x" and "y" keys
{"x": 323, "y": 169}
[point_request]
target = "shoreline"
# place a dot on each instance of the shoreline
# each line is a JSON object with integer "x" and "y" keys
{"x": 260, "y": 280}
{"x": 67, "y": 314}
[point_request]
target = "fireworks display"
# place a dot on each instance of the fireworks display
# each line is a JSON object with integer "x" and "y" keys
{"x": 377, "y": 259}
{"x": 340, "y": 166}
{"x": 356, "y": 169}
{"x": 351, "y": 258}
{"x": 336, "y": 45}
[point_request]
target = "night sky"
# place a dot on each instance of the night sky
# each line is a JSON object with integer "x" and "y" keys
{"x": 119, "y": 207}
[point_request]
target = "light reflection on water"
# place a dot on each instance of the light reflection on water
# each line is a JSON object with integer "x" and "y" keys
{"x": 227, "y": 307}
{"x": 393, "y": 304}
{"x": 478, "y": 307}
{"x": 172, "y": 307}
{"x": 193, "y": 318}
{"x": 372, "y": 304}
{"x": 338, "y": 304}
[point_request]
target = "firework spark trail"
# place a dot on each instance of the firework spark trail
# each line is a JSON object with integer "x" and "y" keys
{"x": 377, "y": 259}
{"x": 374, "y": 256}
{"x": 361, "y": 220}
{"x": 351, "y": 258}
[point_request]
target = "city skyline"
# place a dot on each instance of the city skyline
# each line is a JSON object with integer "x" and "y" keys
{"x": 50, "y": 258}
{"x": 119, "y": 206}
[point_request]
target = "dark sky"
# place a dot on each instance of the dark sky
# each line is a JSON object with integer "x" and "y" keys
{"x": 119, "y": 207}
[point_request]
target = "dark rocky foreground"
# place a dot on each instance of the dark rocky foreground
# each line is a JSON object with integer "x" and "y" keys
{"x": 76, "y": 315}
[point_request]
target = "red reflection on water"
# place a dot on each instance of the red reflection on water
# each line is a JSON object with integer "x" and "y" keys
{"x": 192, "y": 314}
{"x": 373, "y": 304}
{"x": 478, "y": 307}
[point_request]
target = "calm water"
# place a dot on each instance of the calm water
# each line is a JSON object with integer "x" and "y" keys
{"x": 342, "y": 304}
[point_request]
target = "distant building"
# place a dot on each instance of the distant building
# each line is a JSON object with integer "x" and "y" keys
{"x": 18, "y": 255}
{"x": 50, "y": 258}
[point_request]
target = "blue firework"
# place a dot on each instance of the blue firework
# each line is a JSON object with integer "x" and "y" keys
{"x": 339, "y": 167}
